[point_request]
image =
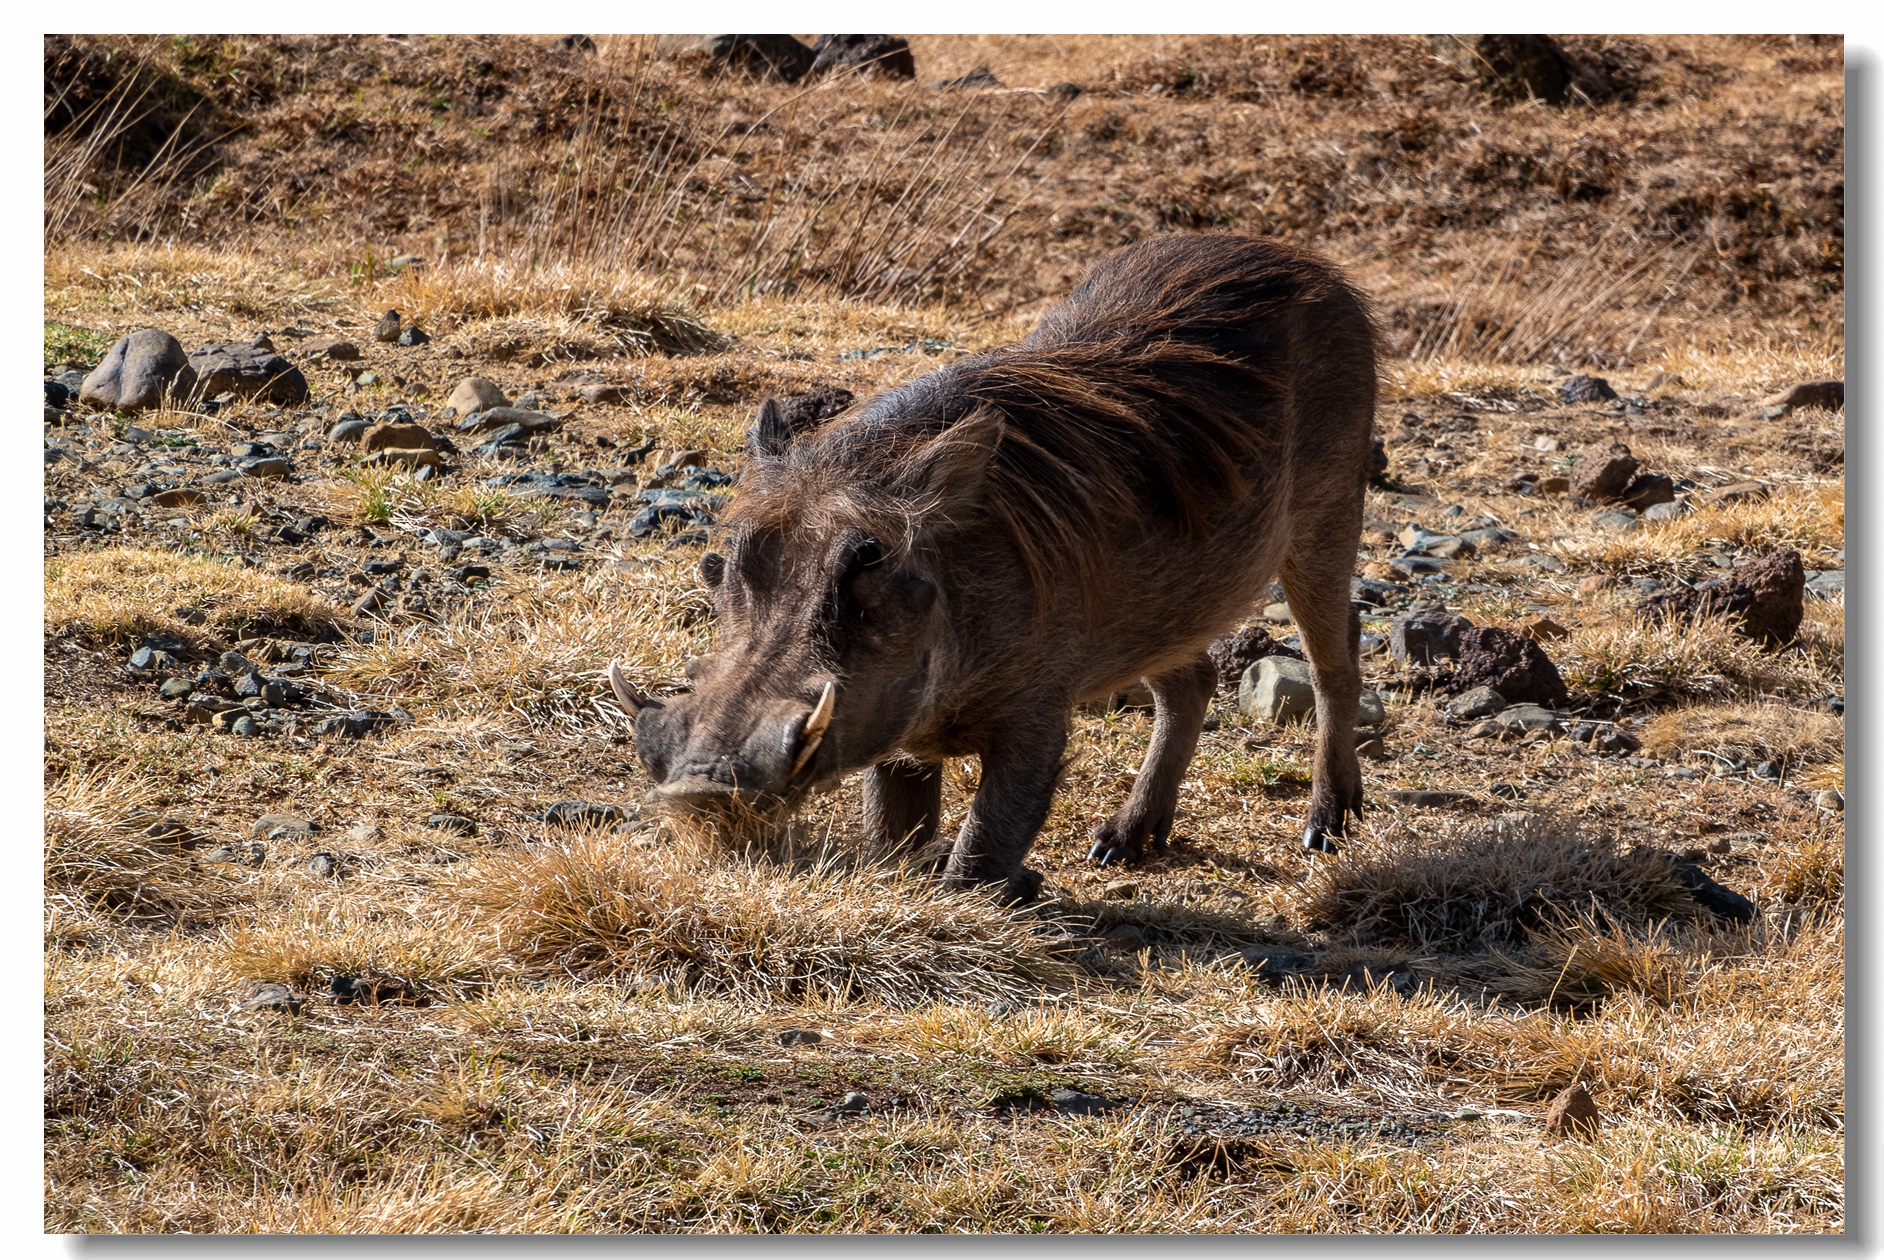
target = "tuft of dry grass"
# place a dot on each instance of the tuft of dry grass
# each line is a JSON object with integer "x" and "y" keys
{"x": 399, "y": 950}
{"x": 1467, "y": 887}
{"x": 1749, "y": 732}
{"x": 127, "y": 591}
{"x": 604, "y": 906}
{"x": 98, "y": 860}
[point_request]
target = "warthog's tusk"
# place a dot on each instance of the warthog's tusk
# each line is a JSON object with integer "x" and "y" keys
{"x": 816, "y": 725}
{"x": 631, "y": 700}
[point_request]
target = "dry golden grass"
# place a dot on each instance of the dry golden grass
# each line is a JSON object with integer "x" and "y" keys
{"x": 606, "y": 906}
{"x": 122, "y": 592}
{"x": 1749, "y": 732}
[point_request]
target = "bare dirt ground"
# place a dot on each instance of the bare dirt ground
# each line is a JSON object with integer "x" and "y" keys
{"x": 348, "y": 970}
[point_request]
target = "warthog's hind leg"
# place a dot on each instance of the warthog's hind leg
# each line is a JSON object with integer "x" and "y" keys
{"x": 1181, "y": 698}
{"x": 1331, "y": 632}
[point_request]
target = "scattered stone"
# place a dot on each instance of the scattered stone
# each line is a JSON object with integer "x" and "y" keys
{"x": 1647, "y": 490}
{"x": 175, "y": 688}
{"x": 399, "y": 437}
{"x": 778, "y": 57}
{"x": 1586, "y": 389}
{"x": 350, "y": 429}
{"x": 1417, "y": 566}
{"x": 1541, "y": 629}
{"x": 276, "y": 827}
{"x": 1666, "y": 511}
{"x": 323, "y": 864}
{"x": 1616, "y": 520}
{"x": 1277, "y": 689}
{"x": 885, "y": 55}
{"x": 1120, "y": 890}
{"x": 474, "y": 394}
{"x": 1236, "y": 653}
{"x": 1605, "y": 482}
{"x": 412, "y": 335}
{"x": 387, "y": 330}
{"x": 1074, "y": 1102}
{"x": 1372, "y": 710}
{"x": 1525, "y": 718}
{"x": 275, "y": 997}
{"x": 1479, "y": 702}
{"x": 248, "y": 372}
{"x": 1741, "y": 492}
{"x": 1717, "y": 899}
{"x": 1768, "y": 596}
{"x": 1554, "y": 485}
{"x": 1825, "y": 395}
{"x": 1825, "y": 583}
{"x": 404, "y": 458}
{"x": 139, "y": 371}
{"x": 245, "y": 727}
{"x": 800, "y": 1037}
{"x": 497, "y": 418}
{"x": 1573, "y": 1113}
{"x": 1831, "y": 800}
{"x": 457, "y": 824}
{"x": 333, "y": 350}
{"x": 1425, "y": 634}
{"x": 363, "y": 833}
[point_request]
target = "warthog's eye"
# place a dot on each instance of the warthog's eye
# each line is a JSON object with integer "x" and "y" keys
{"x": 840, "y": 605}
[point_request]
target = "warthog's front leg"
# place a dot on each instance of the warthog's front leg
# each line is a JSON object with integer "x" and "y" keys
{"x": 1020, "y": 767}
{"x": 1181, "y": 698}
{"x": 902, "y": 808}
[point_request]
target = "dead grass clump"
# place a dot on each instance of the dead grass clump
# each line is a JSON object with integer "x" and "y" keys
{"x": 1750, "y": 732}
{"x": 97, "y": 858}
{"x": 127, "y": 591}
{"x": 1814, "y": 876}
{"x": 1473, "y": 887}
{"x": 394, "y": 953}
{"x": 1658, "y": 662}
{"x": 600, "y": 906}
{"x": 1578, "y": 967}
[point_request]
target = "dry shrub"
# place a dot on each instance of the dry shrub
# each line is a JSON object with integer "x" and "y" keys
{"x": 1751, "y": 732}
{"x": 97, "y": 859}
{"x": 1814, "y": 876}
{"x": 1472, "y": 886}
{"x": 1577, "y": 967}
{"x": 127, "y": 591}
{"x": 397, "y": 951}
{"x": 601, "y": 906}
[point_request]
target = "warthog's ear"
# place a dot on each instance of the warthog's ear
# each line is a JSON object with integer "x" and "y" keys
{"x": 712, "y": 568}
{"x": 946, "y": 475}
{"x": 771, "y": 432}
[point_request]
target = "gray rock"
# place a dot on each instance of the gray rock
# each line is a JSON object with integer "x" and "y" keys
{"x": 1581, "y": 389}
{"x": 1074, "y": 1102}
{"x": 474, "y": 394}
{"x": 1540, "y": 560}
{"x": 248, "y": 372}
{"x": 139, "y": 371}
{"x": 275, "y": 997}
{"x": 851, "y": 1104}
{"x": 1480, "y": 702}
{"x": 245, "y": 727}
{"x": 581, "y": 814}
{"x": 1667, "y": 511}
{"x": 779, "y": 57}
{"x": 265, "y": 468}
{"x": 175, "y": 688}
{"x": 1616, "y": 520}
{"x": 799, "y": 1037}
{"x": 457, "y": 824}
{"x": 1825, "y": 583}
{"x": 1831, "y": 799}
{"x": 350, "y": 429}
{"x": 1528, "y": 717}
{"x": 884, "y": 55}
{"x": 276, "y": 827}
{"x": 1277, "y": 689}
{"x": 1373, "y": 710}
{"x": 323, "y": 865}
{"x": 1424, "y": 634}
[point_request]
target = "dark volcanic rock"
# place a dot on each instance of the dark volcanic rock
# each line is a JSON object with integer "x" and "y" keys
{"x": 1508, "y": 663}
{"x": 1828, "y": 395}
{"x": 1768, "y": 596}
{"x": 248, "y": 372}
{"x": 886, "y": 55}
{"x": 137, "y": 372}
{"x": 1586, "y": 389}
{"x": 1233, "y": 654}
{"x": 1648, "y": 489}
{"x": 1424, "y": 635}
{"x": 761, "y": 56}
{"x": 581, "y": 814}
{"x": 1573, "y": 1113}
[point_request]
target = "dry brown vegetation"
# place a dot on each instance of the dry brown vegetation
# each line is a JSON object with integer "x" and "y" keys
{"x": 578, "y": 1028}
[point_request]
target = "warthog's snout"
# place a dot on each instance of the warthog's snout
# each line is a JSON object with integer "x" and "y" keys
{"x": 686, "y": 752}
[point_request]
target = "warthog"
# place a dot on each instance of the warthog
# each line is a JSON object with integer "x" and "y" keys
{"x": 947, "y": 570}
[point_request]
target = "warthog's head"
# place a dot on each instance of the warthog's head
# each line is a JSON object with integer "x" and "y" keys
{"x": 830, "y": 618}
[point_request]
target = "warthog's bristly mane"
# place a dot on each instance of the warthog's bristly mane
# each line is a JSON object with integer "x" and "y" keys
{"x": 1121, "y": 406}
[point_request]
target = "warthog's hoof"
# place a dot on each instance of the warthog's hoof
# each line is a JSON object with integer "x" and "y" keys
{"x": 1114, "y": 842}
{"x": 1316, "y": 840}
{"x": 1023, "y": 887}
